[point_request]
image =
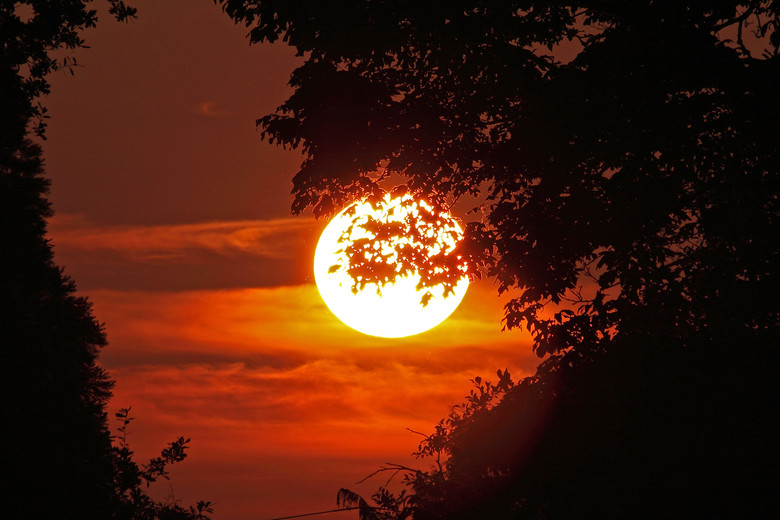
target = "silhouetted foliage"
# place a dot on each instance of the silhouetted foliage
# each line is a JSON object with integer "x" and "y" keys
{"x": 31, "y": 30}
{"x": 642, "y": 431}
{"x": 623, "y": 159}
{"x": 628, "y": 171}
{"x": 427, "y": 236}
{"x": 57, "y": 452}
{"x": 130, "y": 481}
{"x": 388, "y": 506}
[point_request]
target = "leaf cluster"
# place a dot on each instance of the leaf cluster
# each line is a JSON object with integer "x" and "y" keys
{"x": 410, "y": 238}
{"x": 34, "y": 34}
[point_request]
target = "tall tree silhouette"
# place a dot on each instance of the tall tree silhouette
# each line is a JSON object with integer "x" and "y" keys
{"x": 58, "y": 446}
{"x": 624, "y": 159}
{"x": 57, "y": 451}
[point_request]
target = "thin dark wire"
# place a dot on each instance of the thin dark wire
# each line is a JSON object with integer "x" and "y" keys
{"x": 317, "y": 513}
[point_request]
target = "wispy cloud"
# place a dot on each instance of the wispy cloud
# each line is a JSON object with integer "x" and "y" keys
{"x": 276, "y": 238}
{"x": 209, "y": 108}
{"x": 202, "y": 255}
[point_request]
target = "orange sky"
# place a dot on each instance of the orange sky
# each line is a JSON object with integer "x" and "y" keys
{"x": 173, "y": 217}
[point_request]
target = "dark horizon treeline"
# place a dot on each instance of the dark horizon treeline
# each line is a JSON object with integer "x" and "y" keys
{"x": 58, "y": 455}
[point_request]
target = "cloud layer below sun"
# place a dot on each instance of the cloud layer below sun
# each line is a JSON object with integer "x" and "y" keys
{"x": 277, "y": 395}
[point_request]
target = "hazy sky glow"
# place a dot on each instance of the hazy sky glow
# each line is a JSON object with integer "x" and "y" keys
{"x": 173, "y": 217}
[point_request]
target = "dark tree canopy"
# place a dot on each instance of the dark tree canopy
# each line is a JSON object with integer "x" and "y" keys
{"x": 638, "y": 176}
{"x": 623, "y": 162}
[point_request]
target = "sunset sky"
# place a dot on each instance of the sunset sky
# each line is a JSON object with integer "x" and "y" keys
{"x": 173, "y": 217}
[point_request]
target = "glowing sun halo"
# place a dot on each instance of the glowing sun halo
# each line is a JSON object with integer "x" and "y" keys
{"x": 398, "y": 311}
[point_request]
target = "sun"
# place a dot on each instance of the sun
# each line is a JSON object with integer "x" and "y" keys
{"x": 396, "y": 308}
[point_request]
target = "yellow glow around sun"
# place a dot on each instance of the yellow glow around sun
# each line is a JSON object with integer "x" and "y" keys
{"x": 398, "y": 311}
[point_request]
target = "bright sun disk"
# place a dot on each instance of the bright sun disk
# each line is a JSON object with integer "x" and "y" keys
{"x": 398, "y": 311}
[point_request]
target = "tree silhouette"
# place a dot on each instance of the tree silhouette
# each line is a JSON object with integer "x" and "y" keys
{"x": 57, "y": 451}
{"x": 131, "y": 480}
{"x": 627, "y": 171}
{"x": 57, "y": 446}
{"x": 623, "y": 159}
